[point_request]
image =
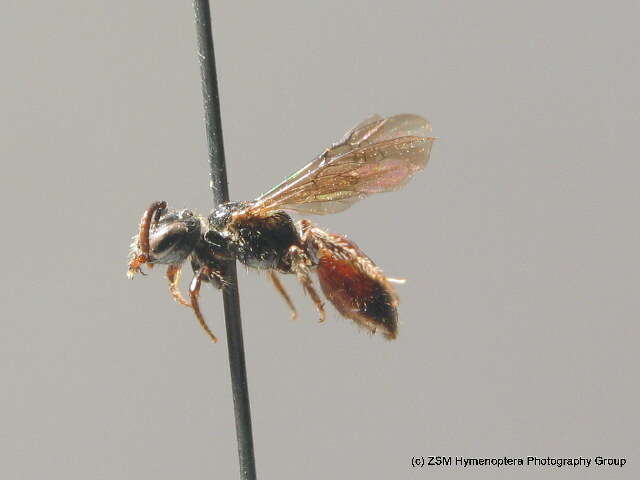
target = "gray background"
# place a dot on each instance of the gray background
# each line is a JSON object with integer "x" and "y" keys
{"x": 519, "y": 321}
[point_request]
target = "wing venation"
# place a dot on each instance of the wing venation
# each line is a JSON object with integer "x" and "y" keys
{"x": 377, "y": 155}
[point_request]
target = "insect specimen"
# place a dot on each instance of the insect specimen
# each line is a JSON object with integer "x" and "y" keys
{"x": 377, "y": 155}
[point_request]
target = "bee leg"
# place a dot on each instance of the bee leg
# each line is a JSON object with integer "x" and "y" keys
{"x": 280, "y": 288}
{"x": 194, "y": 293}
{"x": 305, "y": 279}
{"x": 173, "y": 275}
{"x": 300, "y": 264}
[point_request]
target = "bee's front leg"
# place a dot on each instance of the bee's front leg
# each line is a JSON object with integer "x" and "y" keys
{"x": 173, "y": 275}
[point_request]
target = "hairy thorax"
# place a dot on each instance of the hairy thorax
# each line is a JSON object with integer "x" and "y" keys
{"x": 262, "y": 241}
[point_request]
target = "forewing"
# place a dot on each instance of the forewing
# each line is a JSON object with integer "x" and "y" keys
{"x": 377, "y": 129}
{"x": 377, "y": 155}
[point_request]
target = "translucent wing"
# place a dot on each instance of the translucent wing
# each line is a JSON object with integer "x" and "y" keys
{"x": 377, "y": 155}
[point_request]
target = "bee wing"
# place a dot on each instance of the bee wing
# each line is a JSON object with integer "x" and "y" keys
{"x": 377, "y": 155}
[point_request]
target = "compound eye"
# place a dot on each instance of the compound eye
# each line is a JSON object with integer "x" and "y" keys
{"x": 165, "y": 237}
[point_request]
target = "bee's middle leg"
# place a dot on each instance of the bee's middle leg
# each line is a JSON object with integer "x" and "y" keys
{"x": 281, "y": 290}
{"x": 203, "y": 273}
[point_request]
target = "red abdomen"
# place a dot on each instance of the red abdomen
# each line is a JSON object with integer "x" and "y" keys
{"x": 356, "y": 287}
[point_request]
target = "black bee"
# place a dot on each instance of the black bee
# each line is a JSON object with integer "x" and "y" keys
{"x": 378, "y": 155}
